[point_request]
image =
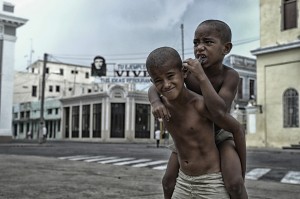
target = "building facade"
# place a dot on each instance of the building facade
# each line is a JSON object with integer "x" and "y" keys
{"x": 246, "y": 67}
{"x": 117, "y": 114}
{"x": 61, "y": 80}
{"x": 27, "y": 117}
{"x": 278, "y": 72}
{"x": 79, "y": 106}
{"x": 8, "y": 27}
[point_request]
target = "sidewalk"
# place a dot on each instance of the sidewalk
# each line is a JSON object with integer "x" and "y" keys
{"x": 32, "y": 177}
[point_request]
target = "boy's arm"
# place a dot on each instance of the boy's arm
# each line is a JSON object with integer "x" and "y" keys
{"x": 213, "y": 101}
{"x": 228, "y": 123}
{"x": 158, "y": 108}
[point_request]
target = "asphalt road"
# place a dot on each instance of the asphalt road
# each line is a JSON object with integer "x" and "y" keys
{"x": 31, "y": 170}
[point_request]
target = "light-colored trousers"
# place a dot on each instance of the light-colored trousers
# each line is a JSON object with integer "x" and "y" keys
{"x": 208, "y": 186}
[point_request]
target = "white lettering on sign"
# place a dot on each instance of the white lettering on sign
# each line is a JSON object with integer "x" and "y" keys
{"x": 130, "y": 70}
{"x": 124, "y": 80}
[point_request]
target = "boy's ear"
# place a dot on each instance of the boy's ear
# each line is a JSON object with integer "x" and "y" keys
{"x": 227, "y": 48}
{"x": 184, "y": 72}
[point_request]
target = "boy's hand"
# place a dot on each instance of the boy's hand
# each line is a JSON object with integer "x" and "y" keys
{"x": 159, "y": 110}
{"x": 194, "y": 66}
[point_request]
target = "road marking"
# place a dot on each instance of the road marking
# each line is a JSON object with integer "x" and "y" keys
{"x": 254, "y": 174}
{"x": 150, "y": 163}
{"x": 74, "y": 156}
{"x": 162, "y": 167}
{"x": 95, "y": 158}
{"x": 80, "y": 158}
{"x": 104, "y": 158}
{"x": 132, "y": 162}
{"x": 115, "y": 160}
{"x": 292, "y": 177}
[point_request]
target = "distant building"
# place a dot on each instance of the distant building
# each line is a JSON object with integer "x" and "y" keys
{"x": 81, "y": 107}
{"x": 26, "y": 119}
{"x": 246, "y": 67}
{"x": 62, "y": 79}
{"x": 278, "y": 75}
{"x": 117, "y": 114}
{"x": 8, "y": 31}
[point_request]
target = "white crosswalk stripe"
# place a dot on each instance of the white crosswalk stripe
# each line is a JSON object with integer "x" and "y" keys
{"x": 291, "y": 177}
{"x": 162, "y": 167}
{"x": 255, "y": 174}
{"x": 80, "y": 158}
{"x": 132, "y": 162}
{"x": 68, "y": 157}
{"x": 115, "y": 160}
{"x": 150, "y": 163}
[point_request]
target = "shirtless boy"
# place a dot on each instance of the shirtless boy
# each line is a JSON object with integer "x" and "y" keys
{"x": 191, "y": 127}
{"x": 218, "y": 84}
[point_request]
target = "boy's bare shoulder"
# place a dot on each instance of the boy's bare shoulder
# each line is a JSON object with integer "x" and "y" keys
{"x": 196, "y": 100}
{"x": 230, "y": 72}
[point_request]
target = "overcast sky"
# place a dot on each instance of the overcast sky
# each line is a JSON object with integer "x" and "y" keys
{"x": 125, "y": 31}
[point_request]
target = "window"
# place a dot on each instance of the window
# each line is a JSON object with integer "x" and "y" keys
{"x": 86, "y": 121}
{"x": 66, "y": 117}
{"x": 87, "y": 75}
{"x": 8, "y": 8}
{"x": 240, "y": 89}
{"x": 34, "y": 91}
{"x": 142, "y": 120}
{"x": 57, "y": 89}
{"x": 49, "y": 111}
{"x": 97, "y": 120}
{"x": 61, "y": 71}
{"x": 50, "y": 88}
{"x": 251, "y": 87}
{"x": 27, "y": 114}
{"x": 21, "y": 127}
{"x": 290, "y": 108}
{"x": 9, "y": 30}
{"x": 289, "y": 14}
{"x": 117, "y": 129}
{"x": 75, "y": 121}
{"x": 47, "y": 70}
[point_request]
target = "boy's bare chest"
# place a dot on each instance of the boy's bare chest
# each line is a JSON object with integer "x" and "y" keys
{"x": 193, "y": 84}
{"x": 186, "y": 117}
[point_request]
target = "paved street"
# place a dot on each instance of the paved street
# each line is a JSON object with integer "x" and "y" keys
{"x": 91, "y": 170}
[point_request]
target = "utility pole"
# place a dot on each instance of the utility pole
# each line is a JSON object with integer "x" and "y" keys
{"x": 182, "y": 41}
{"x": 42, "y": 120}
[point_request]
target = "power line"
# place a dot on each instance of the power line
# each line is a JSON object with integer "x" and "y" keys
{"x": 132, "y": 56}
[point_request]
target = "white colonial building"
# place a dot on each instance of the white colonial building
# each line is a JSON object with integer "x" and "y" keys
{"x": 82, "y": 107}
{"x": 8, "y": 31}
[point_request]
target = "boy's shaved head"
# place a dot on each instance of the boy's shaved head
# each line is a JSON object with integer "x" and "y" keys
{"x": 158, "y": 57}
{"x": 220, "y": 27}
